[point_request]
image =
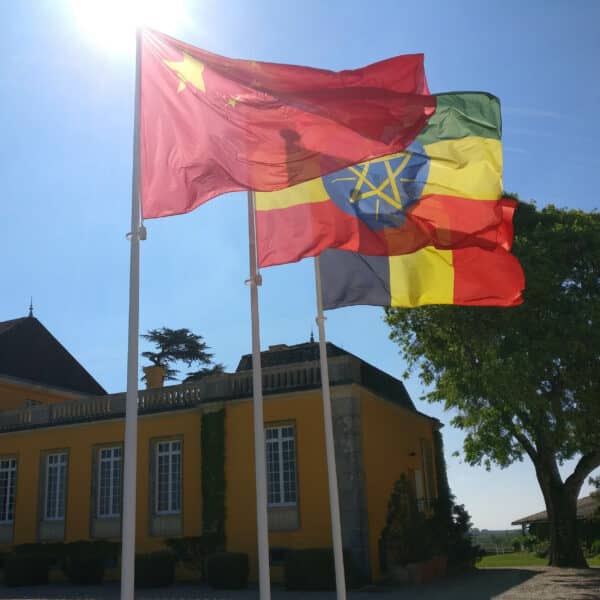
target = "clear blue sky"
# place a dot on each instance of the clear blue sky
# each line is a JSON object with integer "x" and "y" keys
{"x": 65, "y": 166}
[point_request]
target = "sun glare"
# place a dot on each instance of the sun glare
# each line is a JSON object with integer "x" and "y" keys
{"x": 111, "y": 24}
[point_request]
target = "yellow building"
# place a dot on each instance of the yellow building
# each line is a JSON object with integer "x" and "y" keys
{"x": 61, "y": 469}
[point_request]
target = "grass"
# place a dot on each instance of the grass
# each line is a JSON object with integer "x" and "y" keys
{"x": 522, "y": 559}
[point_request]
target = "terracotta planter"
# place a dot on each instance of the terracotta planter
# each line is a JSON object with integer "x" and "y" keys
{"x": 155, "y": 376}
{"x": 399, "y": 574}
{"x": 420, "y": 572}
{"x": 440, "y": 563}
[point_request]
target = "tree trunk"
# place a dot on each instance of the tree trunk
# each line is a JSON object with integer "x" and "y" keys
{"x": 561, "y": 506}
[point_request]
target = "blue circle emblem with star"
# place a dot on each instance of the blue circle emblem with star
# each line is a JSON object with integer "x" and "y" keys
{"x": 379, "y": 191}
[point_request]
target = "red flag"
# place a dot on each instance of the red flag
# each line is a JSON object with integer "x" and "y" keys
{"x": 211, "y": 124}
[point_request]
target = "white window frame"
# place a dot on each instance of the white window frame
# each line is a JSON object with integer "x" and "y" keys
{"x": 278, "y": 442}
{"x": 8, "y": 465}
{"x": 170, "y": 452}
{"x": 112, "y": 460}
{"x": 61, "y": 484}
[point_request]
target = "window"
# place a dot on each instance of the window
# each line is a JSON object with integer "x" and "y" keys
{"x": 56, "y": 480}
{"x": 281, "y": 466}
{"x": 109, "y": 482}
{"x": 8, "y": 475}
{"x": 168, "y": 477}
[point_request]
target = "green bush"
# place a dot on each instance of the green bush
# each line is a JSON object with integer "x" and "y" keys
{"x": 107, "y": 551}
{"x": 26, "y": 569}
{"x": 595, "y": 548}
{"x": 314, "y": 569}
{"x": 84, "y": 569}
{"x": 530, "y": 542}
{"x": 542, "y": 549}
{"x": 55, "y": 552}
{"x": 227, "y": 570}
{"x": 517, "y": 544}
{"x": 193, "y": 550}
{"x": 462, "y": 552}
{"x": 156, "y": 569}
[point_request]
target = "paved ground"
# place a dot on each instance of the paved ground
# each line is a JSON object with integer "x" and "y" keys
{"x": 483, "y": 584}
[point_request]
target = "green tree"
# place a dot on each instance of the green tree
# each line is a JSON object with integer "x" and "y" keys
{"x": 525, "y": 381}
{"x": 595, "y": 481}
{"x": 179, "y": 345}
{"x": 215, "y": 369}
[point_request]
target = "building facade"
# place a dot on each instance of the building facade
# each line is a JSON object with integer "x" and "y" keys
{"x": 61, "y": 460}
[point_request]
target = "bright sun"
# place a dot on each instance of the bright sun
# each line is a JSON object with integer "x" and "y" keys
{"x": 111, "y": 23}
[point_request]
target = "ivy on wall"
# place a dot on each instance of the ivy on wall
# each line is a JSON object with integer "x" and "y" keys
{"x": 444, "y": 498}
{"x": 213, "y": 474}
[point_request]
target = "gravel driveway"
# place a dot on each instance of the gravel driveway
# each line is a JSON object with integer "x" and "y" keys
{"x": 533, "y": 583}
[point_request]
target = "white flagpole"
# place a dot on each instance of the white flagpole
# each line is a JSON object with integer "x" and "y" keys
{"x": 334, "y": 502}
{"x": 136, "y": 234}
{"x": 259, "y": 429}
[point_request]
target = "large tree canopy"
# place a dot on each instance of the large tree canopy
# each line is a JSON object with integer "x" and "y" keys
{"x": 180, "y": 346}
{"x": 525, "y": 381}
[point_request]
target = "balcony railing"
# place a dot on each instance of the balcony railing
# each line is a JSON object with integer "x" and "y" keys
{"x": 342, "y": 369}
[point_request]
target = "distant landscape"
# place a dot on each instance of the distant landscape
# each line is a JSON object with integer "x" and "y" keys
{"x": 495, "y": 541}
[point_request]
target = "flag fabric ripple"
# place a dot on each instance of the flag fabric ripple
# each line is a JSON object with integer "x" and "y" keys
{"x": 444, "y": 191}
{"x": 211, "y": 124}
{"x": 470, "y": 276}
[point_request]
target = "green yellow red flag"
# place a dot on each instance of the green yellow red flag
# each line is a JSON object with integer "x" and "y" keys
{"x": 444, "y": 190}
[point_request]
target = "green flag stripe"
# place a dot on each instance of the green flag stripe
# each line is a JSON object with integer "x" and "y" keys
{"x": 463, "y": 114}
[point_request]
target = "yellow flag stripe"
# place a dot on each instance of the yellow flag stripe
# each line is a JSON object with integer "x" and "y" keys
{"x": 468, "y": 167}
{"x": 423, "y": 277}
{"x": 303, "y": 193}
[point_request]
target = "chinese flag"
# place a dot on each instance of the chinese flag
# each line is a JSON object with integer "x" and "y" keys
{"x": 211, "y": 124}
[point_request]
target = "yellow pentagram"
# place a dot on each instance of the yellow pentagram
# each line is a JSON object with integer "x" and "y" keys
{"x": 234, "y": 100}
{"x": 189, "y": 70}
{"x": 378, "y": 190}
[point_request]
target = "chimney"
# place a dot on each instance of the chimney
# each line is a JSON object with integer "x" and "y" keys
{"x": 155, "y": 376}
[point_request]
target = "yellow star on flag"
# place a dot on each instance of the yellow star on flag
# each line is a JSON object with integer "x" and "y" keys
{"x": 234, "y": 100}
{"x": 189, "y": 70}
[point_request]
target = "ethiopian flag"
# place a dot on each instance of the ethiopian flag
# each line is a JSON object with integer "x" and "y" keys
{"x": 443, "y": 191}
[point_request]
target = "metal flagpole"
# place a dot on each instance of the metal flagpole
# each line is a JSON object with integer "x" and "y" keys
{"x": 334, "y": 502}
{"x": 136, "y": 234}
{"x": 259, "y": 430}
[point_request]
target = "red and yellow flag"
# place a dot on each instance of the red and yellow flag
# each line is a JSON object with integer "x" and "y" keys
{"x": 211, "y": 124}
{"x": 471, "y": 276}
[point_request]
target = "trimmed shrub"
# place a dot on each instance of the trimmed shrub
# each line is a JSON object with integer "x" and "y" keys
{"x": 26, "y": 569}
{"x": 107, "y": 551}
{"x": 84, "y": 569}
{"x": 55, "y": 552}
{"x": 155, "y": 569}
{"x": 227, "y": 570}
{"x": 595, "y": 548}
{"x": 193, "y": 550}
{"x": 314, "y": 569}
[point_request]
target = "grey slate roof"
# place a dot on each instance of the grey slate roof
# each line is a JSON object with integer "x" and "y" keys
{"x": 29, "y": 351}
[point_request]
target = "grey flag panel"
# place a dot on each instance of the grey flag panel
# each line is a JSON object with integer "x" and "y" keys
{"x": 348, "y": 279}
